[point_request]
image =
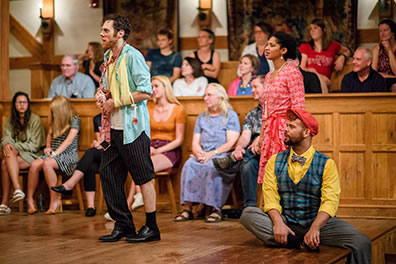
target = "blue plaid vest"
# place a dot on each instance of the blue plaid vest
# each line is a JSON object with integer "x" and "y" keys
{"x": 300, "y": 202}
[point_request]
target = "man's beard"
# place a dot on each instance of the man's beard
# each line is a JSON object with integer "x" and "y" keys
{"x": 293, "y": 141}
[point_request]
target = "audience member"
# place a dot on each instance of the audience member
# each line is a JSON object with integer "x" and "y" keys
{"x": 262, "y": 31}
{"x": 363, "y": 78}
{"x": 311, "y": 80}
{"x": 87, "y": 167}
{"x": 318, "y": 55}
{"x": 23, "y": 141}
{"x": 167, "y": 123}
{"x": 60, "y": 154}
{"x": 245, "y": 158}
{"x": 215, "y": 133}
{"x": 164, "y": 61}
{"x": 384, "y": 61}
{"x": 71, "y": 83}
{"x": 207, "y": 56}
{"x": 301, "y": 192}
{"x": 92, "y": 60}
{"x": 193, "y": 83}
{"x": 284, "y": 89}
{"x": 248, "y": 66}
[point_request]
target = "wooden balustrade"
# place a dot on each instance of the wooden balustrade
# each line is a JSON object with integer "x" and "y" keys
{"x": 357, "y": 130}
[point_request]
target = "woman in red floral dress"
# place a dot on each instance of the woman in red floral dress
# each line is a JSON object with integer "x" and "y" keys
{"x": 283, "y": 89}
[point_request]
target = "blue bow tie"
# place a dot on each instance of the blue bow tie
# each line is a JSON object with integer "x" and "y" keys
{"x": 299, "y": 159}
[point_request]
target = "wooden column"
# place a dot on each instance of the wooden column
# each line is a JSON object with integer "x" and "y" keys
{"x": 4, "y": 49}
{"x": 41, "y": 77}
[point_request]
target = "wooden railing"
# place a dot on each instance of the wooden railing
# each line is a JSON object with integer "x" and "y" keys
{"x": 357, "y": 130}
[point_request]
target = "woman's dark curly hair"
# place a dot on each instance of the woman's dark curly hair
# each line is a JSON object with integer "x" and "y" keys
{"x": 120, "y": 23}
{"x": 15, "y": 121}
{"x": 286, "y": 41}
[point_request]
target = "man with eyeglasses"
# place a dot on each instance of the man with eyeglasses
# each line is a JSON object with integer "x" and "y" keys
{"x": 71, "y": 83}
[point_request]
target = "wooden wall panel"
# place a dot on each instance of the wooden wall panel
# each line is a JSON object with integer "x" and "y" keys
{"x": 351, "y": 171}
{"x": 384, "y": 183}
{"x": 355, "y": 136}
{"x": 325, "y": 139}
{"x": 384, "y": 128}
{"x": 356, "y": 130}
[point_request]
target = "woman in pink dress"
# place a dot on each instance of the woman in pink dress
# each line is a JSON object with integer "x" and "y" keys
{"x": 283, "y": 89}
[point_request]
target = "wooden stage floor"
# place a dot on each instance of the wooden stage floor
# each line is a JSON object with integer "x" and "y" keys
{"x": 73, "y": 238}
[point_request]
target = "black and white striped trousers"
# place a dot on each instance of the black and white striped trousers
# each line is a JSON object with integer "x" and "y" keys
{"x": 117, "y": 160}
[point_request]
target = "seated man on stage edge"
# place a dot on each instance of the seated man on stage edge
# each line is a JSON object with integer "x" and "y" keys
{"x": 301, "y": 192}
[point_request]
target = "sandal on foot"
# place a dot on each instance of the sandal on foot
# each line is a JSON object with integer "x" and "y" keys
{"x": 182, "y": 217}
{"x": 18, "y": 195}
{"x": 4, "y": 209}
{"x": 32, "y": 211}
{"x": 214, "y": 217}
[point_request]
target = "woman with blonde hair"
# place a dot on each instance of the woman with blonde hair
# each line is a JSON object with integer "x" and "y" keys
{"x": 215, "y": 133}
{"x": 61, "y": 152}
{"x": 167, "y": 124}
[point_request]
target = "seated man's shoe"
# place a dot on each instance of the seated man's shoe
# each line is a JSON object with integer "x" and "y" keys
{"x": 90, "y": 212}
{"x": 145, "y": 234}
{"x": 224, "y": 163}
{"x": 115, "y": 235}
{"x": 61, "y": 189}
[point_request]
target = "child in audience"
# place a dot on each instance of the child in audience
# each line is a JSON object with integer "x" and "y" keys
{"x": 193, "y": 83}
{"x": 164, "y": 61}
{"x": 61, "y": 152}
{"x": 23, "y": 142}
{"x": 248, "y": 66}
{"x": 87, "y": 167}
{"x": 318, "y": 55}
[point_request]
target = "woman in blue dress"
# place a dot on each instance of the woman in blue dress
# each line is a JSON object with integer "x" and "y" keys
{"x": 215, "y": 133}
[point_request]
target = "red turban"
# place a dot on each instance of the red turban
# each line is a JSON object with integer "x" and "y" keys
{"x": 308, "y": 119}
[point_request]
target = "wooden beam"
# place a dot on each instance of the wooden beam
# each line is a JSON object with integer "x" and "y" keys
{"x": 25, "y": 38}
{"x": 189, "y": 43}
{"x": 4, "y": 49}
{"x": 368, "y": 35}
{"x": 18, "y": 63}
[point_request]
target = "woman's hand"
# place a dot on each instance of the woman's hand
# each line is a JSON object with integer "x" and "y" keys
{"x": 387, "y": 46}
{"x": 8, "y": 149}
{"x": 154, "y": 151}
{"x": 205, "y": 156}
{"x": 48, "y": 151}
{"x": 339, "y": 63}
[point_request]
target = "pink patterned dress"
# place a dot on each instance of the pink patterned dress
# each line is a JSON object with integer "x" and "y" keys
{"x": 284, "y": 92}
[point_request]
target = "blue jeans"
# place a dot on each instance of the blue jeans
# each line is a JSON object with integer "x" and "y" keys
{"x": 249, "y": 172}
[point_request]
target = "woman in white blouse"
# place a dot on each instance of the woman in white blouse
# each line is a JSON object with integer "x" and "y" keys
{"x": 193, "y": 82}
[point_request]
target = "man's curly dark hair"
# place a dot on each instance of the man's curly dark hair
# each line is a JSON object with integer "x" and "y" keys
{"x": 120, "y": 23}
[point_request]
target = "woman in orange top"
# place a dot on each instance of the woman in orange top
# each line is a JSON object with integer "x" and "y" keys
{"x": 167, "y": 123}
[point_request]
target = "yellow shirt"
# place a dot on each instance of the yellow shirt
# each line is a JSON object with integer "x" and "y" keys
{"x": 330, "y": 186}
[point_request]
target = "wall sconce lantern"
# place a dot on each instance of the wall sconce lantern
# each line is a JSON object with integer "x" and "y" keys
{"x": 205, "y": 13}
{"x": 93, "y": 3}
{"x": 47, "y": 17}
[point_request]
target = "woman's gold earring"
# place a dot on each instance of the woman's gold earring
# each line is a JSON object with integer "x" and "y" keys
{"x": 282, "y": 57}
